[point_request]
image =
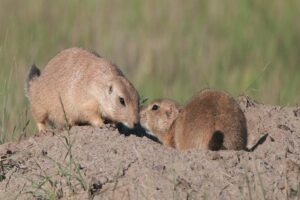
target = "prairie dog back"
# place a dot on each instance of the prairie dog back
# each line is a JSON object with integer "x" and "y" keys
{"x": 89, "y": 87}
{"x": 210, "y": 120}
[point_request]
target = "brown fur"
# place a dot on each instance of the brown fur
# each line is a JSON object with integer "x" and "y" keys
{"x": 210, "y": 120}
{"x": 89, "y": 87}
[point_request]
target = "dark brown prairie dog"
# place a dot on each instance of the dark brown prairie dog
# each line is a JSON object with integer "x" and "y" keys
{"x": 210, "y": 120}
{"x": 91, "y": 89}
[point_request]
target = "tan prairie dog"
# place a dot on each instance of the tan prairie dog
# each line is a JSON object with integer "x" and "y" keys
{"x": 210, "y": 120}
{"x": 85, "y": 88}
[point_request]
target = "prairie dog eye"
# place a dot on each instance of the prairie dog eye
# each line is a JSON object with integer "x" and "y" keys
{"x": 122, "y": 101}
{"x": 155, "y": 107}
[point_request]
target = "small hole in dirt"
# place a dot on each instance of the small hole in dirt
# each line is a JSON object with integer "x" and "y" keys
{"x": 80, "y": 167}
{"x": 288, "y": 150}
{"x": 297, "y": 112}
{"x": 9, "y": 151}
{"x": 2, "y": 177}
{"x": 44, "y": 152}
{"x": 293, "y": 193}
{"x": 284, "y": 127}
{"x": 95, "y": 186}
{"x": 114, "y": 151}
{"x": 216, "y": 156}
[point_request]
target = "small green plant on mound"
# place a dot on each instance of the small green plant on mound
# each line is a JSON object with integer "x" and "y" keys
{"x": 49, "y": 186}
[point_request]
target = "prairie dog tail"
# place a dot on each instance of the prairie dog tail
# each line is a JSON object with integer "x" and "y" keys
{"x": 32, "y": 75}
{"x": 216, "y": 142}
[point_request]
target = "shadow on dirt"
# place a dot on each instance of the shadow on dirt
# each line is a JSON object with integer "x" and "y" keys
{"x": 138, "y": 131}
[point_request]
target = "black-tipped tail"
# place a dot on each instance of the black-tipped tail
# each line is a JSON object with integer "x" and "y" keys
{"x": 33, "y": 73}
{"x": 216, "y": 142}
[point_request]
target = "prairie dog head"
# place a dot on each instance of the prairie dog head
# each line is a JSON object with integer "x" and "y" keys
{"x": 121, "y": 102}
{"x": 158, "y": 116}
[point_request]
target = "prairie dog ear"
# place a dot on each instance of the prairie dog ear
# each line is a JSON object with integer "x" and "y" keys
{"x": 179, "y": 109}
{"x": 172, "y": 112}
{"x": 110, "y": 89}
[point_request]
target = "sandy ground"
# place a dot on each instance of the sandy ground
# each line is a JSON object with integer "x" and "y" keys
{"x": 89, "y": 163}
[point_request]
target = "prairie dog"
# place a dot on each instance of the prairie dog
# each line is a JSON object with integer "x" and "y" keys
{"x": 210, "y": 120}
{"x": 88, "y": 87}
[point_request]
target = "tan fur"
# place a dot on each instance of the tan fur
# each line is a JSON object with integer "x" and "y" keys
{"x": 158, "y": 122}
{"x": 89, "y": 87}
{"x": 210, "y": 120}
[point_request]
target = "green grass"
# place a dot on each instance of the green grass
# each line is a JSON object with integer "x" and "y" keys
{"x": 167, "y": 48}
{"x": 46, "y": 187}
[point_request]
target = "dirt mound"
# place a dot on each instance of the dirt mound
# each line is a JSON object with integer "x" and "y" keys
{"x": 89, "y": 163}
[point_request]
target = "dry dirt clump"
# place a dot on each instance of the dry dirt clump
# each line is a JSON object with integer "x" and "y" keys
{"x": 88, "y": 163}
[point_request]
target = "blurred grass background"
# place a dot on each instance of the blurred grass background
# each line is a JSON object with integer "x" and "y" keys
{"x": 168, "y": 48}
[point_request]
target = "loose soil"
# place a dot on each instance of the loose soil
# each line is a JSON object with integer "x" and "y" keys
{"x": 89, "y": 163}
